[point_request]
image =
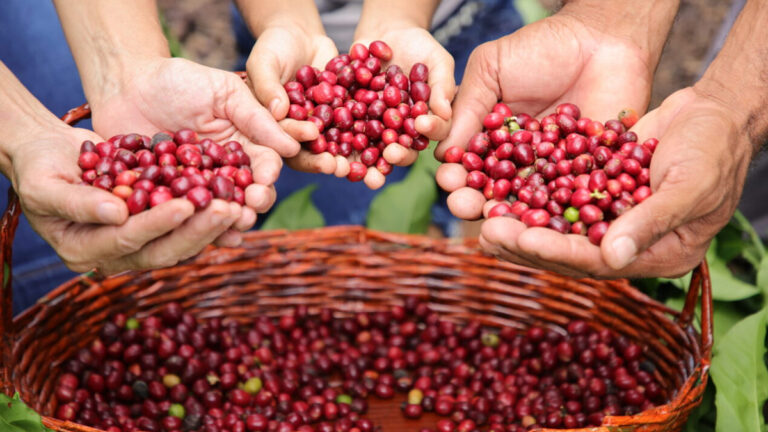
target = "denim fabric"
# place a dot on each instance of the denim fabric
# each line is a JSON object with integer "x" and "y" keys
{"x": 342, "y": 202}
{"x": 32, "y": 45}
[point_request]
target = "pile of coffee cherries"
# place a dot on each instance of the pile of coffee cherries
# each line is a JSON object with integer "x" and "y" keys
{"x": 361, "y": 107}
{"x": 147, "y": 172}
{"x": 315, "y": 372}
{"x": 565, "y": 172}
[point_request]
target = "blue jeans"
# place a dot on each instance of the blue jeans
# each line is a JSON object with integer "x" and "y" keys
{"x": 32, "y": 45}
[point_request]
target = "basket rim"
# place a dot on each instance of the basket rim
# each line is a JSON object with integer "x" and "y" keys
{"x": 683, "y": 319}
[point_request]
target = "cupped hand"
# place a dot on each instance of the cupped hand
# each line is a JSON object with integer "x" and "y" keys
{"x": 556, "y": 60}
{"x": 278, "y": 53}
{"x": 160, "y": 94}
{"x": 410, "y": 45}
{"x": 697, "y": 174}
{"x": 89, "y": 227}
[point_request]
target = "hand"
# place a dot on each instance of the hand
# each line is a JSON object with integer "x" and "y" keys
{"x": 278, "y": 53}
{"x": 171, "y": 94}
{"x": 697, "y": 175}
{"x": 559, "y": 59}
{"x": 89, "y": 227}
{"x": 410, "y": 45}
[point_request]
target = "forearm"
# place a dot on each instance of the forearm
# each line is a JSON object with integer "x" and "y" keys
{"x": 397, "y": 12}
{"x": 645, "y": 24}
{"x": 21, "y": 117}
{"x": 108, "y": 38}
{"x": 259, "y": 15}
{"x": 736, "y": 78}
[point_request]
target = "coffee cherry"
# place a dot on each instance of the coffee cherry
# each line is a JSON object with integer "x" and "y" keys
{"x": 579, "y": 171}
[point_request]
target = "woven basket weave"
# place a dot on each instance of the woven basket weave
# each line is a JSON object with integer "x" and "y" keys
{"x": 353, "y": 269}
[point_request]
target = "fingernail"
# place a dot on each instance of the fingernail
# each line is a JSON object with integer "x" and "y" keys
{"x": 108, "y": 212}
{"x": 217, "y": 219}
{"x": 273, "y": 105}
{"x": 624, "y": 252}
{"x": 178, "y": 217}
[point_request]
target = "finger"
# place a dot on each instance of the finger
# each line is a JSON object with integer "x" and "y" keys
{"x": 466, "y": 203}
{"x": 253, "y": 120}
{"x": 443, "y": 86}
{"x": 301, "y": 131}
{"x": 77, "y": 203}
{"x": 398, "y": 155}
{"x": 374, "y": 179}
{"x": 264, "y": 72}
{"x": 230, "y": 239}
{"x": 108, "y": 242}
{"x": 640, "y": 227}
{"x": 315, "y": 163}
{"x": 432, "y": 126}
{"x": 572, "y": 254}
{"x": 451, "y": 176}
{"x": 342, "y": 166}
{"x": 247, "y": 219}
{"x": 503, "y": 253}
{"x": 187, "y": 240}
{"x": 260, "y": 198}
{"x": 478, "y": 93}
{"x": 265, "y": 164}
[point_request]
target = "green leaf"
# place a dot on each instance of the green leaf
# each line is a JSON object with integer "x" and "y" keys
{"x": 731, "y": 243}
{"x": 740, "y": 375}
{"x": 405, "y": 206}
{"x": 725, "y": 286}
{"x": 16, "y": 416}
{"x": 762, "y": 277}
{"x": 742, "y": 223}
{"x": 531, "y": 10}
{"x": 296, "y": 212}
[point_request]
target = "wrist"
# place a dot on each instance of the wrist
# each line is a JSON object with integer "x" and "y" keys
{"x": 644, "y": 25}
{"x": 735, "y": 78}
{"x": 743, "y": 107}
{"x": 260, "y": 16}
{"x": 118, "y": 76}
{"x": 372, "y": 29}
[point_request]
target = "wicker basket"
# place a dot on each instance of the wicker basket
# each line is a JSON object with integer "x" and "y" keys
{"x": 353, "y": 269}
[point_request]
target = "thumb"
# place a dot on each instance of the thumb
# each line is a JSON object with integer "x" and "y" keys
{"x": 256, "y": 123}
{"x": 264, "y": 74}
{"x": 478, "y": 93}
{"x": 642, "y": 226}
{"x": 81, "y": 204}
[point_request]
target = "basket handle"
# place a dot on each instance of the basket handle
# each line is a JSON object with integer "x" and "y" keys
{"x": 700, "y": 279}
{"x": 8, "y": 224}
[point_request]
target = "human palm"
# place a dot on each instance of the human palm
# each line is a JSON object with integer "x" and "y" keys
{"x": 172, "y": 94}
{"x": 89, "y": 227}
{"x": 556, "y": 60}
{"x": 697, "y": 173}
{"x": 559, "y": 59}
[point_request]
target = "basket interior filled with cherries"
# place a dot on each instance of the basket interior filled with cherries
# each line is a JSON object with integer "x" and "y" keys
{"x": 563, "y": 171}
{"x": 320, "y": 369}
